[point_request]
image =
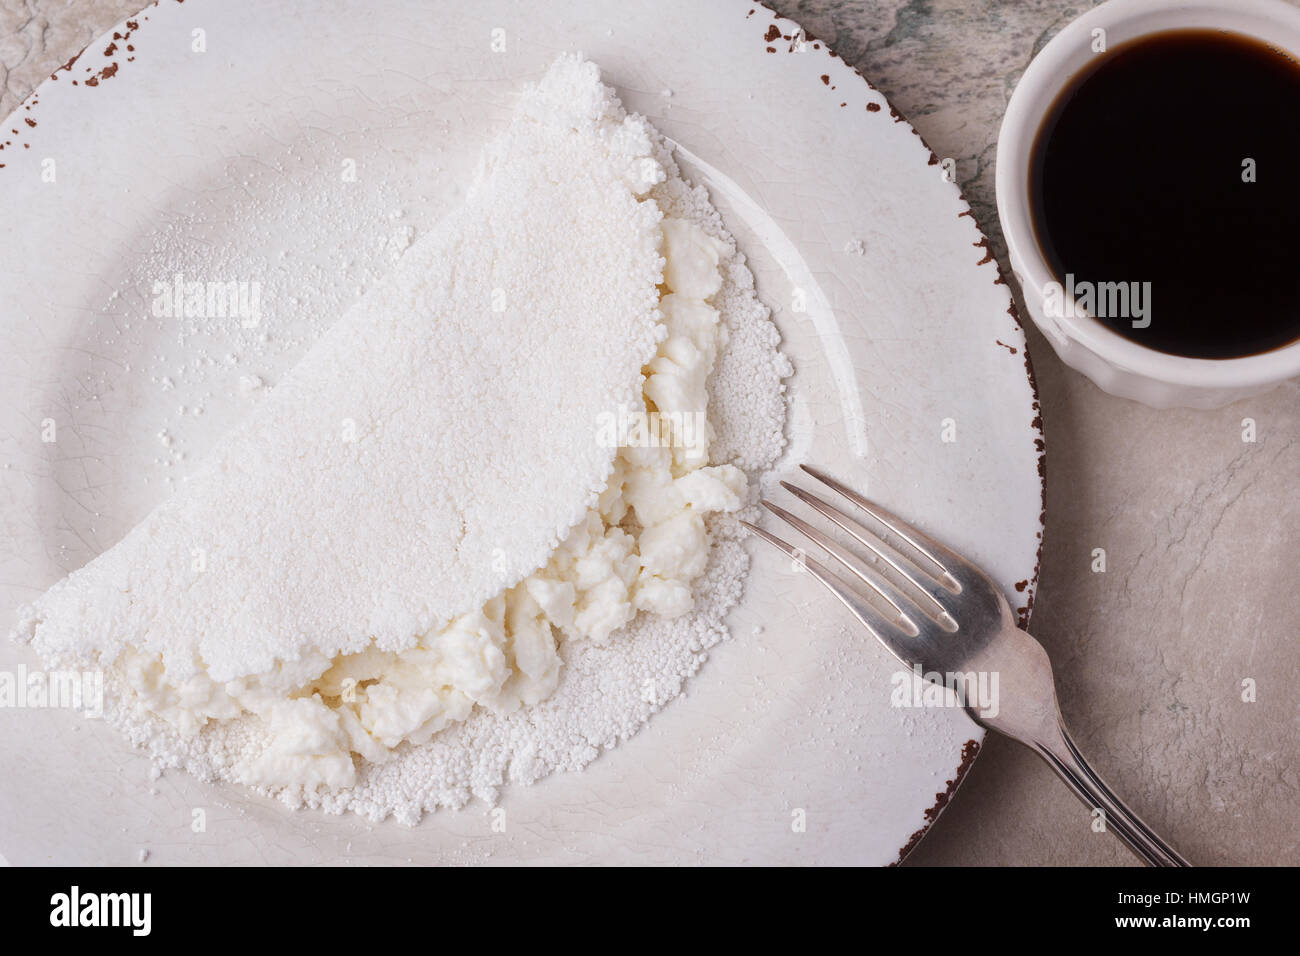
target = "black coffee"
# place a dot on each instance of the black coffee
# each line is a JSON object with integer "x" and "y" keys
{"x": 1165, "y": 189}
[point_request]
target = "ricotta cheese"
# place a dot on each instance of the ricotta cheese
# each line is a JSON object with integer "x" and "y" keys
{"x": 639, "y": 548}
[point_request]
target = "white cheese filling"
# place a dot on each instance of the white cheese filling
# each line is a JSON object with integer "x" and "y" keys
{"x": 638, "y": 549}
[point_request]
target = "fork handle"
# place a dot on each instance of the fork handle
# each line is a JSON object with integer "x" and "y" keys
{"x": 1063, "y": 756}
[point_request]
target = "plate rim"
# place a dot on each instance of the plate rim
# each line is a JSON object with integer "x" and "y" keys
{"x": 972, "y": 747}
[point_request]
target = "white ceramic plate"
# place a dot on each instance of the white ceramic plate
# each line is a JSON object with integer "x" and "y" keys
{"x": 231, "y": 157}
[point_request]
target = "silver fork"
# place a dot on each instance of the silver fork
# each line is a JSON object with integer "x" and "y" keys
{"x": 942, "y": 615}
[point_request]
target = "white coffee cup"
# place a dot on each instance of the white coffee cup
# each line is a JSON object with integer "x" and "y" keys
{"x": 1117, "y": 364}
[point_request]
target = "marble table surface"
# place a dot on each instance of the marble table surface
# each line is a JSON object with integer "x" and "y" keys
{"x": 1201, "y": 529}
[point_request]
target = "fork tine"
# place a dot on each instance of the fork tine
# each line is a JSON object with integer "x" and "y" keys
{"x": 879, "y": 586}
{"x": 918, "y": 539}
{"x": 882, "y": 629}
{"x": 877, "y": 547}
